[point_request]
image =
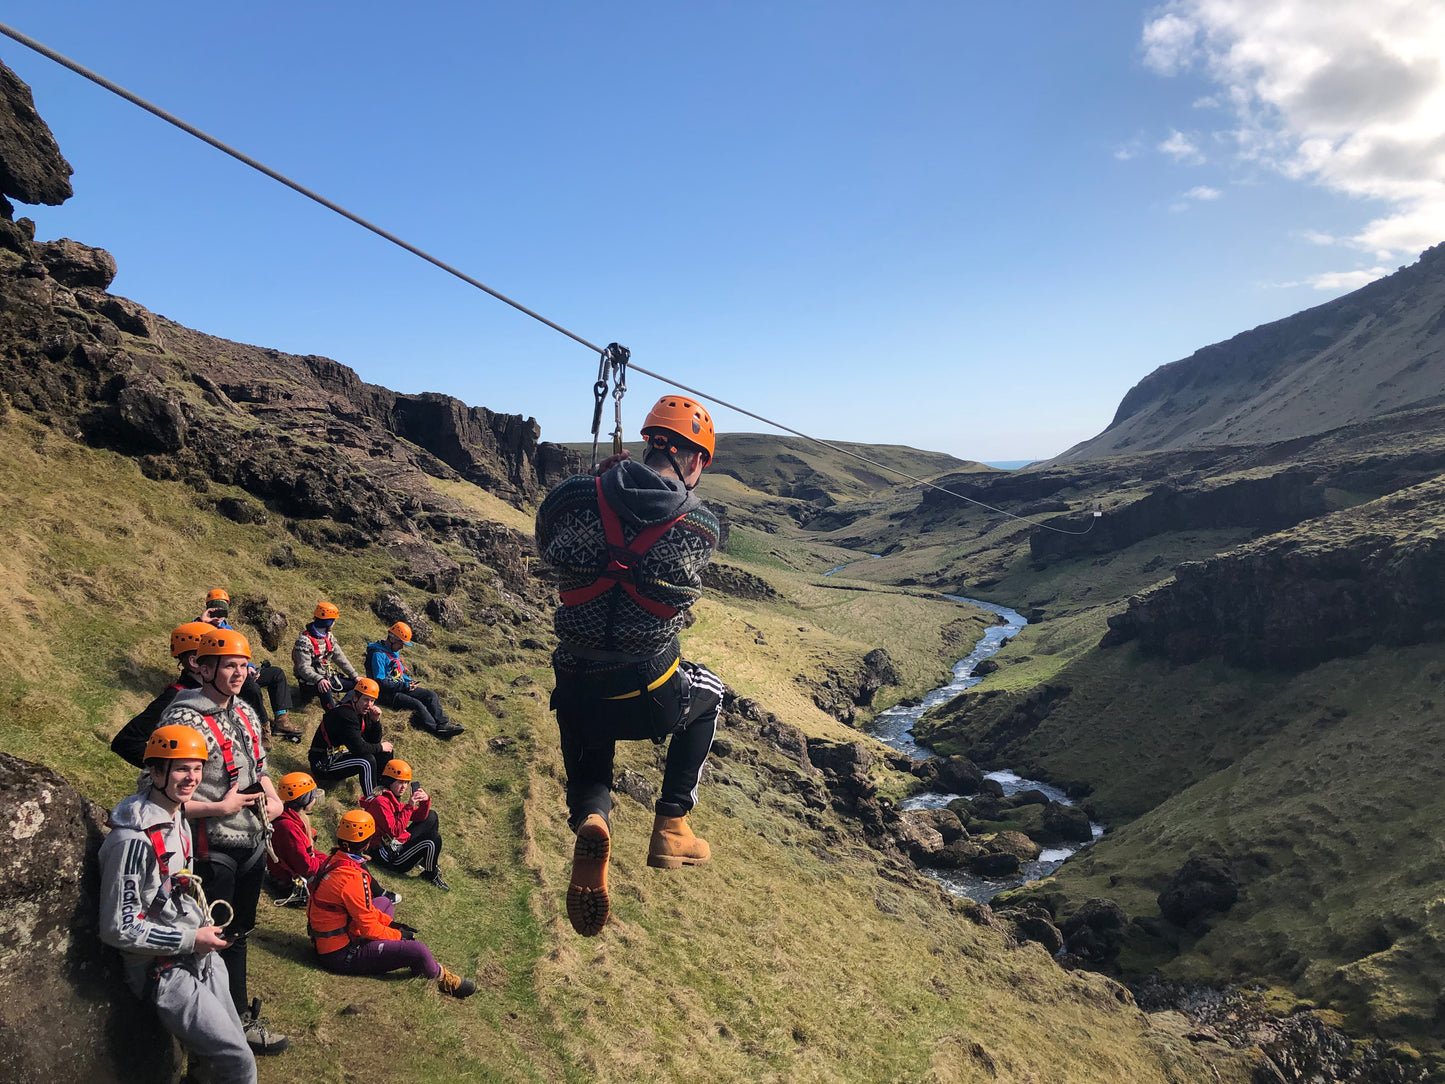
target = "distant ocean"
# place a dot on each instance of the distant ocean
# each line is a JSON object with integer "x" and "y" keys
{"x": 1008, "y": 464}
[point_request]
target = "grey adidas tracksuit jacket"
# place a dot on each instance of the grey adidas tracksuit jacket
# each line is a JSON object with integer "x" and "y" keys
{"x": 151, "y": 923}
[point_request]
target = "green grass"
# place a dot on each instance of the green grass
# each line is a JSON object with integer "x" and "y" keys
{"x": 789, "y": 957}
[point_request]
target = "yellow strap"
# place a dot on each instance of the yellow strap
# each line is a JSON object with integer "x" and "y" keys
{"x": 655, "y": 685}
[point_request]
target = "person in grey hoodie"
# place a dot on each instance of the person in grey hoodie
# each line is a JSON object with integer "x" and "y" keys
{"x": 168, "y": 943}
{"x": 232, "y": 807}
{"x": 629, "y": 545}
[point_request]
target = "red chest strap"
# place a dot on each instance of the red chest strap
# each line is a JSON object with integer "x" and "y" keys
{"x": 228, "y": 752}
{"x": 320, "y": 648}
{"x": 624, "y": 561}
{"x": 158, "y": 843}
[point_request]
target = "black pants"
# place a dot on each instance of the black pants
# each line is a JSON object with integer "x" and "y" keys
{"x": 425, "y": 707}
{"x": 686, "y": 707}
{"x": 273, "y": 680}
{"x": 332, "y": 769}
{"x": 235, "y": 876}
{"x": 423, "y": 844}
{"x": 340, "y": 686}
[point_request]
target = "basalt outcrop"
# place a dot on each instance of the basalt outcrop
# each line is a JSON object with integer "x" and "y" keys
{"x": 1374, "y": 574}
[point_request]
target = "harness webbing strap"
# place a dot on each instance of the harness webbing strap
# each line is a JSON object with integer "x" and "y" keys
{"x": 228, "y": 755}
{"x": 624, "y": 561}
{"x": 157, "y": 838}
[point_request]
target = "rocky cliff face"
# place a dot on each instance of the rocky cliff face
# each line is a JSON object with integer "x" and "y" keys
{"x": 1369, "y": 575}
{"x": 1377, "y": 350}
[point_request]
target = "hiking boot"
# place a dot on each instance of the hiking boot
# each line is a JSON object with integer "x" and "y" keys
{"x": 282, "y": 728}
{"x": 450, "y": 730}
{"x": 587, "y": 903}
{"x": 674, "y": 846}
{"x": 452, "y": 984}
{"x": 260, "y": 1038}
{"x": 435, "y": 877}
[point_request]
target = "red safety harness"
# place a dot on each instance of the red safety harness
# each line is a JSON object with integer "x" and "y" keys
{"x": 321, "y": 650}
{"x": 157, "y": 837}
{"x": 624, "y": 562}
{"x": 233, "y": 772}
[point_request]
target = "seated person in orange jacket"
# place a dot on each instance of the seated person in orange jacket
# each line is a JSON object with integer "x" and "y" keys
{"x": 351, "y": 927}
{"x": 407, "y": 828}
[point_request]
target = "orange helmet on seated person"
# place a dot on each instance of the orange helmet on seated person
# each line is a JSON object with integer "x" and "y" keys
{"x": 356, "y": 826}
{"x": 325, "y": 611}
{"x": 187, "y": 637}
{"x": 367, "y": 687}
{"x": 220, "y": 642}
{"x": 176, "y": 742}
{"x": 294, "y": 785}
{"x": 402, "y": 631}
{"x": 397, "y": 769}
{"x": 217, "y": 594}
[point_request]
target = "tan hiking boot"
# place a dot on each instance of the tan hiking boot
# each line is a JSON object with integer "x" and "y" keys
{"x": 452, "y": 984}
{"x": 587, "y": 902}
{"x": 674, "y": 846}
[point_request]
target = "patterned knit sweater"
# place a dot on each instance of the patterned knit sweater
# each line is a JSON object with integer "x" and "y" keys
{"x": 610, "y": 644}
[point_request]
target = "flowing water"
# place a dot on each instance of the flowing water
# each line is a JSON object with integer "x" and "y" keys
{"x": 894, "y": 727}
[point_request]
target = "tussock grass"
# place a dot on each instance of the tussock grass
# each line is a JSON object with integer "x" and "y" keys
{"x": 789, "y": 957}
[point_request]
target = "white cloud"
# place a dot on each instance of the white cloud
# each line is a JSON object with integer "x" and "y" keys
{"x": 1339, "y": 281}
{"x": 1203, "y": 192}
{"x": 1181, "y": 148}
{"x": 1346, "y": 94}
{"x": 1315, "y": 237}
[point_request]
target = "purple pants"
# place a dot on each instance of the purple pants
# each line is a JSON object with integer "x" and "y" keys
{"x": 379, "y": 957}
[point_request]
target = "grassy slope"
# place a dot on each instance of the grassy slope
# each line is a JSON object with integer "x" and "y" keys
{"x": 789, "y": 957}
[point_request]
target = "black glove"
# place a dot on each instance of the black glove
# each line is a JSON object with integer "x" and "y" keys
{"x": 408, "y": 933}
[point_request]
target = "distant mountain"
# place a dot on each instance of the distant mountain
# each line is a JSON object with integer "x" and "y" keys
{"x": 1378, "y": 350}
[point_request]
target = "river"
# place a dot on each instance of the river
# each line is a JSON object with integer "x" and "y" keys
{"x": 894, "y": 727}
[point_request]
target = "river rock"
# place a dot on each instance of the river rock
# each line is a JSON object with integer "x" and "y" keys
{"x": 944, "y": 821}
{"x": 956, "y": 855}
{"x": 1014, "y": 843}
{"x": 914, "y": 834}
{"x": 65, "y": 1012}
{"x": 1065, "y": 824}
{"x": 1203, "y": 885}
{"x": 994, "y": 864}
{"x": 1094, "y": 932}
{"x": 1029, "y": 797}
{"x": 984, "y": 667}
{"x": 990, "y": 788}
{"x": 958, "y": 775}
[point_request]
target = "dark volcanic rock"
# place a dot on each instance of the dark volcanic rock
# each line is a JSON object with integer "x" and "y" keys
{"x": 31, "y": 167}
{"x": 957, "y": 775}
{"x": 72, "y": 264}
{"x": 150, "y": 416}
{"x": 65, "y": 1012}
{"x": 1370, "y": 574}
{"x": 995, "y": 864}
{"x": 391, "y": 607}
{"x": 1065, "y": 824}
{"x": 446, "y": 612}
{"x": 1204, "y": 885}
{"x": 1094, "y": 932}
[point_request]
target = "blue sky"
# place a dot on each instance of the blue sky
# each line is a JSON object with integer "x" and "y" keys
{"x": 959, "y": 226}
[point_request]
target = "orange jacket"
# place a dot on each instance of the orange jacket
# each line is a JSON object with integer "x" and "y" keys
{"x": 340, "y": 909}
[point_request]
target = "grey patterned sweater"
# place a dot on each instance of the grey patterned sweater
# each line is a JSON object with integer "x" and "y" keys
{"x": 242, "y": 830}
{"x": 571, "y": 539}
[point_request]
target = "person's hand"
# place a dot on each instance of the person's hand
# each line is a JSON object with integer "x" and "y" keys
{"x": 323, "y": 686}
{"x": 210, "y": 939}
{"x": 234, "y": 801}
{"x": 612, "y": 461}
{"x": 386, "y": 747}
{"x": 418, "y": 796}
{"x": 373, "y": 713}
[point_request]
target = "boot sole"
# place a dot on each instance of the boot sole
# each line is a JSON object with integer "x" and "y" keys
{"x": 587, "y": 901}
{"x": 672, "y": 861}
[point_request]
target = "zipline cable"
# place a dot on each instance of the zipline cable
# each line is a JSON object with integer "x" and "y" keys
{"x": 261, "y": 167}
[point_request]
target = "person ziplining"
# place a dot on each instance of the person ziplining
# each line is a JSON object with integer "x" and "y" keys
{"x": 629, "y": 543}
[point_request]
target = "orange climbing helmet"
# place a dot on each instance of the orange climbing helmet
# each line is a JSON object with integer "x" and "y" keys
{"x": 397, "y": 769}
{"x": 217, "y": 594}
{"x": 187, "y": 637}
{"x": 685, "y": 418}
{"x": 325, "y": 611}
{"x": 295, "y": 784}
{"x": 402, "y": 631}
{"x": 176, "y": 742}
{"x": 356, "y": 826}
{"x": 367, "y": 687}
{"x": 218, "y": 642}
